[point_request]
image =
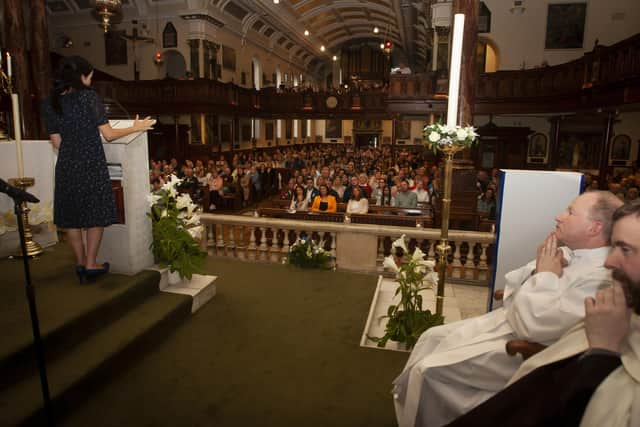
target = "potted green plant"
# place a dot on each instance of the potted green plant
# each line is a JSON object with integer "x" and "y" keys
{"x": 305, "y": 253}
{"x": 176, "y": 230}
{"x": 407, "y": 320}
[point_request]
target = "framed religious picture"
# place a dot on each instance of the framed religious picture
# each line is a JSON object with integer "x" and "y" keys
{"x": 169, "y": 36}
{"x": 403, "y": 129}
{"x": 115, "y": 48}
{"x": 333, "y": 129}
{"x": 228, "y": 58}
{"x": 565, "y": 25}
{"x": 621, "y": 147}
{"x": 538, "y": 145}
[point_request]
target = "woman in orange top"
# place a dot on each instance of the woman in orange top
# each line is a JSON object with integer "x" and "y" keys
{"x": 324, "y": 202}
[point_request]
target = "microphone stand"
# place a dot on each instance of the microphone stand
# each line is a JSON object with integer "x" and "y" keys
{"x": 35, "y": 324}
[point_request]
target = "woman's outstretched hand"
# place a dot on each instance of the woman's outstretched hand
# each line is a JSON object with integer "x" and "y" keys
{"x": 144, "y": 124}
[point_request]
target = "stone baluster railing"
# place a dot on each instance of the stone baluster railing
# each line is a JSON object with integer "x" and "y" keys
{"x": 359, "y": 247}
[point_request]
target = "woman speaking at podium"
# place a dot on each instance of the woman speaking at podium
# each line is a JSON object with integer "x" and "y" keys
{"x": 75, "y": 119}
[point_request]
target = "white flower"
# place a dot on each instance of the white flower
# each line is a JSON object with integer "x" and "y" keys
{"x": 196, "y": 232}
{"x": 399, "y": 244}
{"x": 434, "y": 136}
{"x": 390, "y": 264}
{"x": 418, "y": 255}
{"x": 152, "y": 199}
{"x": 431, "y": 278}
{"x": 173, "y": 193}
{"x": 449, "y": 130}
{"x": 191, "y": 209}
{"x": 174, "y": 180}
{"x": 402, "y": 275}
{"x": 183, "y": 201}
{"x": 164, "y": 213}
{"x": 461, "y": 134}
{"x": 193, "y": 220}
{"x": 471, "y": 131}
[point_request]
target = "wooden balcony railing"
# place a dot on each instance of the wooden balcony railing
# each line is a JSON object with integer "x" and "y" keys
{"x": 606, "y": 76}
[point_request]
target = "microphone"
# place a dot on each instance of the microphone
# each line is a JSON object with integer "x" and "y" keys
{"x": 16, "y": 193}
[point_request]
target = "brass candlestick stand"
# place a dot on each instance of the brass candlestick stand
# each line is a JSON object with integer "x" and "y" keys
{"x": 443, "y": 248}
{"x": 33, "y": 248}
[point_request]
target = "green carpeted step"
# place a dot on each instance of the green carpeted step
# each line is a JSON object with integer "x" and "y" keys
{"x": 68, "y": 313}
{"x": 100, "y": 356}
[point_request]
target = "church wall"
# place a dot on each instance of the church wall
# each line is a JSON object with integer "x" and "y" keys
{"x": 520, "y": 38}
{"x": 628, "y": 123}
{"x": 88, "y": 41}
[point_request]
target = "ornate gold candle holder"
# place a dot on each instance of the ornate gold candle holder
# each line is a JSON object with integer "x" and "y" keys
{"x": 33, "y": 248}
{"x": 443, "y": 248}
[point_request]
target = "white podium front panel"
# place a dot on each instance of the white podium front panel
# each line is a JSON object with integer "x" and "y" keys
{"x": 528, "y": 202}
{"x": 127, "y": 246}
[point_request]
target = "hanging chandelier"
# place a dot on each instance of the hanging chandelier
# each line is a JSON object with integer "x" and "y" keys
{"x": 105, "y": 11}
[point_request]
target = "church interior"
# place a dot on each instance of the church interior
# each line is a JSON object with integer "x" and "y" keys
{"x": 282, "y": 119}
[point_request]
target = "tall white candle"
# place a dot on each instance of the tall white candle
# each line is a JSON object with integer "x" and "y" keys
{"x": 15, "y": 103}
{"x": 9, "y": 64}
{"x": 454, "y": 75}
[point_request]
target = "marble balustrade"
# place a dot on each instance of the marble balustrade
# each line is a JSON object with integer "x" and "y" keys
{"x": 356, "y": 247}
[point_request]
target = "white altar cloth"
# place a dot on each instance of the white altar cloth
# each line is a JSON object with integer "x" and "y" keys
{"x": 39, "y": 163}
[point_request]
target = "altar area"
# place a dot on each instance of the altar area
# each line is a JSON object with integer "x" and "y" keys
{"x": 39, "y": 163}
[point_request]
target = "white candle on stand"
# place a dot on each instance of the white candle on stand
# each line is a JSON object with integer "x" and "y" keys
{"x": 15, "y": 103}
{"x": 454, "y": 75}
{"x": 9, "y": 64}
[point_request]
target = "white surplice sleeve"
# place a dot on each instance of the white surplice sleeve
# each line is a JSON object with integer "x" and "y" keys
{"x": 546, "y": 305}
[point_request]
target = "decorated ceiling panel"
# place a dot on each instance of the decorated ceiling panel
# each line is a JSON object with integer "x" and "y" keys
{"x": 333, "y": 24}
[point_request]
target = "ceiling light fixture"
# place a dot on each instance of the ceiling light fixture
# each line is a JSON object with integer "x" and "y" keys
{"x": 322, "y": 48}
{"x": 376, "y": 30}
{"x": 276, "y": 1}
{"x": 306, "y": 32}
{"x": 106, "y": 10}
{"x": 335, "y": 58}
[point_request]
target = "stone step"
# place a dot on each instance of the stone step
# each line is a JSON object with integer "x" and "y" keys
{"x": 93, "y": 361}
{"x": 201, "y": 287}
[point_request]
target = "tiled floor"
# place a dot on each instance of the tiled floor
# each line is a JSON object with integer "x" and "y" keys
{"x": 472, "y": 300}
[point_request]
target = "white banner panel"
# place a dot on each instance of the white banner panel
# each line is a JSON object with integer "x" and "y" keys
{"x": 528, "y": 202}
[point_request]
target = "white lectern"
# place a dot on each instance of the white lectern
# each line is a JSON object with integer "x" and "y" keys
{"x": 528, "y": 202}
{"x": 127, "y": 246}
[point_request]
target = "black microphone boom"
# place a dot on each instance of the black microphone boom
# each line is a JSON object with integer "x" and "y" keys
{"x": 16, "y": 193}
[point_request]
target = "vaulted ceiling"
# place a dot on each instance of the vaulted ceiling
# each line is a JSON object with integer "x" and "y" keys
{"x": 333, "y": 24}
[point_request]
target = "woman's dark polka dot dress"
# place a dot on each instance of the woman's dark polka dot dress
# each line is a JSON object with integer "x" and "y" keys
{"x": 82, "y": 196}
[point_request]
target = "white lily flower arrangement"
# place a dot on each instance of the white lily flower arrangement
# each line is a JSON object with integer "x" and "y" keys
{"x": 306, "y": 253}
{"x": 440, "y": 136}
{"x": 407, "y": 320}
{"x": 176, "y": 230}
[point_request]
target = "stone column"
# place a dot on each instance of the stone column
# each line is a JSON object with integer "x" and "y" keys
{"x": 40, "y": 61}
{"x": 468, "y": 74}
{"x": 16, "y": 45}
{"x": 206, "y": 52}
{"x": 194, "y": 51}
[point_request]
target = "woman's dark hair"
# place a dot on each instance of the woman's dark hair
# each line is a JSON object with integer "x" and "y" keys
{"x": 353, "y": 193}
{"x": 326, "y": 189}
{"x": 67, "y": 77}
{"x": 295, "y": 191}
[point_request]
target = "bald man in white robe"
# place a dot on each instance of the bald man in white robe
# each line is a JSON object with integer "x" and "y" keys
{"x": 455, "y": 367}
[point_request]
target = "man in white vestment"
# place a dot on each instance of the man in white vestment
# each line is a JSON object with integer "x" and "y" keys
{"x": 455, "y": 367}
{"x": 591, "y": 376}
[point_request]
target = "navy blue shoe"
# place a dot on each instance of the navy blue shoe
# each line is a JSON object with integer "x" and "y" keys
{"x": 94, "y": 273}
{"x": 81, "y": 272}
